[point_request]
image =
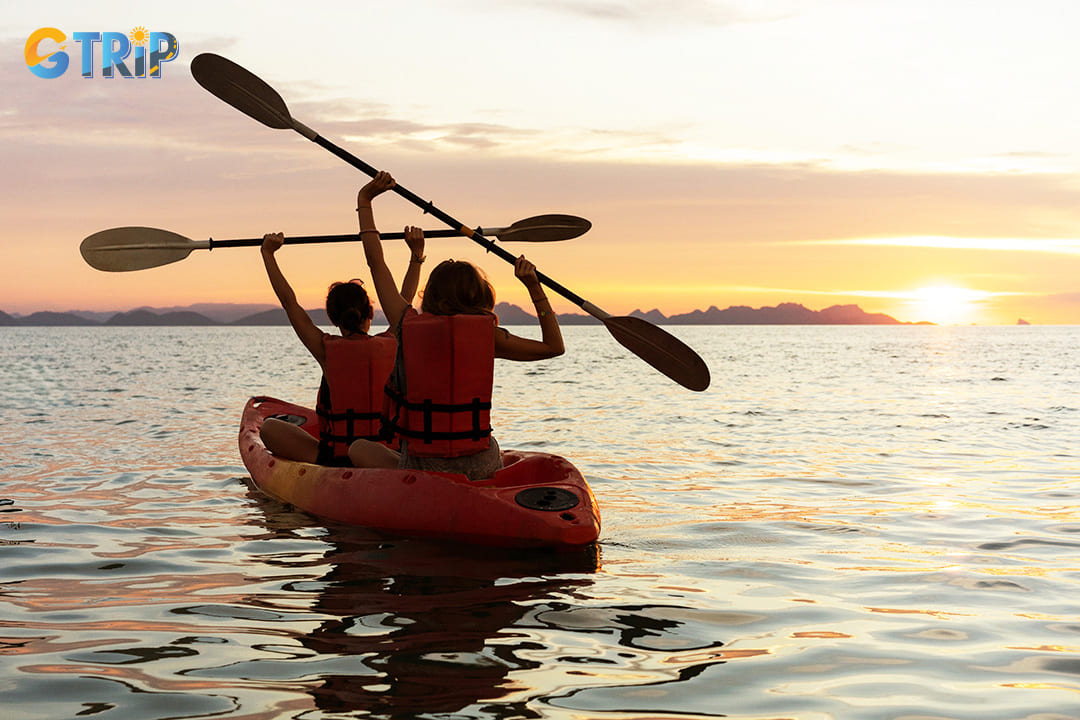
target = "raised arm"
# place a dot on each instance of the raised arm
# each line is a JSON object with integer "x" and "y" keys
{"x": 414, "y": 238}
{"x": 550, "y": 345}
{"x": 308, "y": 332}
{"x": 390, "y": 299}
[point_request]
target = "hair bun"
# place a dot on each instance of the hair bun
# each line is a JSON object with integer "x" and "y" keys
{"x": 348, "y": 306}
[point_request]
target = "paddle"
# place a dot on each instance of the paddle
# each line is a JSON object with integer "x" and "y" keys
{"x": 253, "y": 97}
{"x": 138, "y": 248}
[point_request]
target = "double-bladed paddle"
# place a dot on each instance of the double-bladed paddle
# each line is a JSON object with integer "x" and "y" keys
{"x": 138, "y": 248}
{"x": 252, "y": 96}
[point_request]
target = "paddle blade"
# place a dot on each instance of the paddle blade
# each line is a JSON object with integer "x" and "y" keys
{"x": 241, "y": 89}
{"x": 134, "y": 248}
{"x": 544, "y": 228}
{"x": 662, "y": 350}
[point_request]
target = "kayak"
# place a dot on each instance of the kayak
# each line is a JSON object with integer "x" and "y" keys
{"x": 536, "y": 500}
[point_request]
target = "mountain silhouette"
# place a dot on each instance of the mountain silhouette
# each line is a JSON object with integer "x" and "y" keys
{"x": 782, "y": 314}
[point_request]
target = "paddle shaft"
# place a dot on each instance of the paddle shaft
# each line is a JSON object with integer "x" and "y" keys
{"x": 462, "y": 229}
{"x": 309, "y": 239}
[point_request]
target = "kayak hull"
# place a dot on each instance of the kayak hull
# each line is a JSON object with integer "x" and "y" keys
{"x": 536, "y": 500}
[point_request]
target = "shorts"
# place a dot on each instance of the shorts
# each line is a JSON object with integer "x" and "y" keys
{"x": 478, "y": 466}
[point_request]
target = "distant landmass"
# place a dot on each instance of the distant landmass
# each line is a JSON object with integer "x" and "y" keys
{"x": 222, "y": 314}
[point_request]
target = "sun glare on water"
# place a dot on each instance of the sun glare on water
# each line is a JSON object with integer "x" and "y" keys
{"x": 946, "y": 304}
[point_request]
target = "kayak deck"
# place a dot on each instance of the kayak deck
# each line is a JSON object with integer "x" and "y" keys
{"x": 536, "y": 500}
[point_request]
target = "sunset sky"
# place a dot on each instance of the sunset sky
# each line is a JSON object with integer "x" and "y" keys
{"x": 916, "y": 158}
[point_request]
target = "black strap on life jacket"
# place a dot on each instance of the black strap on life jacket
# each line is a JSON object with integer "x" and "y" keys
{"x": 349, "y": 416}
{"x": 428, "y": 409}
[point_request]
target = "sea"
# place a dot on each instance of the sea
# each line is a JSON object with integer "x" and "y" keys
{"x": 852, "y": 522}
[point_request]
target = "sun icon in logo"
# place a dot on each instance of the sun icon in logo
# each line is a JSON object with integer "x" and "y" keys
{"x": 139, "y": 36}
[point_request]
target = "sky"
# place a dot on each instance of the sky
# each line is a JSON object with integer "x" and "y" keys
{"x": 915, "y": 158}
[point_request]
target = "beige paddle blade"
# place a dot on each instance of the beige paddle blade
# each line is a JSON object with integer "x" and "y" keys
{"x": 134, "y": 248}
{"x": 243, "y": 90}
{"x": 662, "y": 350}
{"x": 545, "y": 228}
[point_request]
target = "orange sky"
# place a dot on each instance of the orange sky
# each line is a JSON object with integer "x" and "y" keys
{"x": 723, "y": 155}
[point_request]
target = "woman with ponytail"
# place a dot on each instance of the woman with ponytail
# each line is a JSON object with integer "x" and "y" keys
{"x": 355, "y": 365}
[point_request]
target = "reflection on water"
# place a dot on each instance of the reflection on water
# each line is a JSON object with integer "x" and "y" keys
{"x": 852, "y": 523}
{"x": 425, "y": 628}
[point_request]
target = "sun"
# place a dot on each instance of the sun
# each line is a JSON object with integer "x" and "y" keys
{"x": 139, "y": 35}
{"x": 946, "y": 304}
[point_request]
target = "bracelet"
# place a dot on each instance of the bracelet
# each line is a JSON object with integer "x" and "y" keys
{"x": 542, "y": 313}
{"x": 538, "y": 300}
{"x": 364, "y": 230}
{"x": 420, "y": 259}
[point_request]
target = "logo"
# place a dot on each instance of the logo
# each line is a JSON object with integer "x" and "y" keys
{"x": 46, "y": 56}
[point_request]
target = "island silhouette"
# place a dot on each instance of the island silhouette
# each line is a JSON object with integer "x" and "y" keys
{"x": 225, "y": 314}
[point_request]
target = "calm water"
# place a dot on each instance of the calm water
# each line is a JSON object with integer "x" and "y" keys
{"x": 853, "y": 522}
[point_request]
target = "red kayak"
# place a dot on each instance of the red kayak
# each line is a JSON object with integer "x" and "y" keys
{"x": 535, "y": 501}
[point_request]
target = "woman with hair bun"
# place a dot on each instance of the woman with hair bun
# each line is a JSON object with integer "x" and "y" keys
{"x": 355, "y": 365}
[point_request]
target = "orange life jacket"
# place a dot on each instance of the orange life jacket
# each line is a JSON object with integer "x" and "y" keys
{"x": 350, "y": 396}
{"x": 439, "y": 396}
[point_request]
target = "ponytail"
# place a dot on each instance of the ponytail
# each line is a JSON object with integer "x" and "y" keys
{"x": 348, "y": 306}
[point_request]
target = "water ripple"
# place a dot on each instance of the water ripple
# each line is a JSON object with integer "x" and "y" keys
{"x": 851, "y": 523}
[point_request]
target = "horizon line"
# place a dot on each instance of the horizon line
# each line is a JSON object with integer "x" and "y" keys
{"x": 859, "y": 315}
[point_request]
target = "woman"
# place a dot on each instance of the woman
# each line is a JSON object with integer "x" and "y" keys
{"x": 441, "y": 384}
{"x": 355, "y": 364}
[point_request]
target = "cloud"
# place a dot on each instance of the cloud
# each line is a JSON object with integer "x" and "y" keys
{"x": 1069, "y": 246}
{"x": 674, "y": 12}
{"x": 176, "y": 113}
{"x": 1034, "y": 155}
{"x": 72, "y": 110}
{"x": 1070, "y": 299}
{"x": 428, "y": 137}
